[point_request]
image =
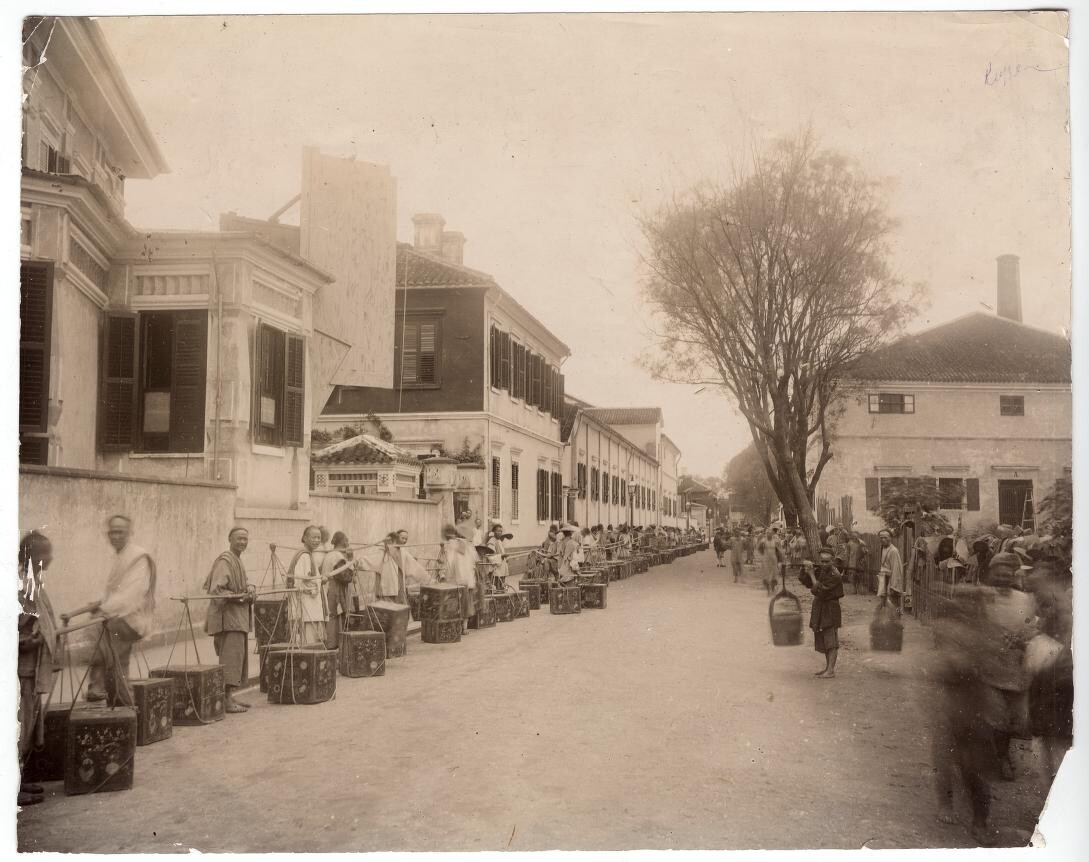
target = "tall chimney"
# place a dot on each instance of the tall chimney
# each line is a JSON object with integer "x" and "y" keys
{"x": 453, "y": 246}
{"x": 1009, "y": 287}
{"x": 429, "y": 232}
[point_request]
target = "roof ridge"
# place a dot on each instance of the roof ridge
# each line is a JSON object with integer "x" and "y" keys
{"x": 439, "y": 259}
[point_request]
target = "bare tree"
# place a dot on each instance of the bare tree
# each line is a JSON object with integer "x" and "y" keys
{"x": 770, "y": 288}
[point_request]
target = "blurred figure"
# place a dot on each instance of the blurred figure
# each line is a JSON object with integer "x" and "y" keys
{"x": 1049, "y": 661}
{"x": 890, "y": 574}
{"x": 856, "y": 557}
{"x": 963, "y": 737}
{"x": 771, "y": 555}
{"x": 458, "y": 566}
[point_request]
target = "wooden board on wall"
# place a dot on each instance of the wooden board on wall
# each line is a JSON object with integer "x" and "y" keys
{"x": 348, "y": 228}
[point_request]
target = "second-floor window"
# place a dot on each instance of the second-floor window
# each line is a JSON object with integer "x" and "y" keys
{"x": 1011, "y": 405}
{"x": 582, "y": 481}
{"x": 421, "y": 354}
{"x": 594, "y": 486}
{"x": 892, "y": 402}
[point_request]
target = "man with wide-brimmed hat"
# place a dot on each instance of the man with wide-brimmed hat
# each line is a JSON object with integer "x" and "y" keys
{"x": 570, "y": 553}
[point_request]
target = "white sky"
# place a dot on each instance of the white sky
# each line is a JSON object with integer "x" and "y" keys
{"x": 543, "y": 137}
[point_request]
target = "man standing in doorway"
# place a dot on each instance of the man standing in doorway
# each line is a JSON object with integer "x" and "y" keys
{"x": 229, "y": 619}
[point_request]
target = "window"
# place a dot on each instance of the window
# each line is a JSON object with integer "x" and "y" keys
{"x": 616, "y": 489}
{"x": 951, "y": 493}
{"x": 493, "y": 502}
{"x": 557, "y": 494}
{"x": 35, "y": 329}
{"x": 595, "y": 488}
{"x": 421, "y": 354}
{"x": 514, "y": 491}
{"x": 518, "y": 389}
{"x": 624, "y": 492}
{"x": 279, "y": 387}
{"x": 1011, "y": 405}
{"x": 542, "y": 495}
{"x": 892, "y": 402}
{"x": 582, "y": 481}
{"x": 154, "y": 382}
{"x": 605, "y": 487}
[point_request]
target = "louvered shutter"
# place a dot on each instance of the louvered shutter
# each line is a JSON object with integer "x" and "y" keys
{"x": 36, "y": 316}
{"x": 410, "y": 354}
{"x": 294, "y": 390}
{"x": 546, "y": 385}
{"x": 873, "y": 495}
{"x": 557, "y": 494}
{"x": 117, "y": 391}
{"x": 35, "y": 313}
{"x": 972, "y": 488}
{"x": 518, "y": 387}
{"x": 558, "y": 391}
{"x": 493, "y": 358}
{"x": 189, "y": 381}
{"x": 429, "y": 348}
{"x": 504, "y": 361}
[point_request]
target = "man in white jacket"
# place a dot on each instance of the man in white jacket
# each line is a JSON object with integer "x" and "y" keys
{"x": 127, "y": 608}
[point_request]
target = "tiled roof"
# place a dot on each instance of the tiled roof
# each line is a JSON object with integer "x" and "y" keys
{"x": 977, "y": 348}
{"x": 363, "y": 449}
{"x": 570, "y": 417}
{"x": 418, "y": 269}
{"x": 627, "y": 415}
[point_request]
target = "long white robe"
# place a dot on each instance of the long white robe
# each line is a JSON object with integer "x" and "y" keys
{"x": 306, "y": 611}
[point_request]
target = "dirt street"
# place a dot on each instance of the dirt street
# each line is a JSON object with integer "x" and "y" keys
{"x": 666, "y": 721}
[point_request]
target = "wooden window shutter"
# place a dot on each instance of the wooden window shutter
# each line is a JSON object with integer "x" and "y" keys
{"x": 410, "y": 353}
{"x": 504, "y": 361}
{"x": 429, "y": 350}
{"x": 294, "y": 390}
{"x": 189, "y": 384}
{"x": 36, "y": 315}
{"x": 546, "y": 385}
{"x": 493, "y": 358}
{"x": 117, "y": 391}
{"x": 520, "y": 371}
{"x": 558, "y": 390}
{"x": 972, "y": 488}
{"x": 873, "y": 496}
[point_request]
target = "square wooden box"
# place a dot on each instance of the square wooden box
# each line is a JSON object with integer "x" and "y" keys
{"x": 362, "y": 654}
{"x": 302, "y": 675}
{"x": 100, "y": 750}
{"x": 564, "y": 600}
{"x": 485, "y": 617}
{"x": 198, "y": 693}
{"x": 594, "y": 596}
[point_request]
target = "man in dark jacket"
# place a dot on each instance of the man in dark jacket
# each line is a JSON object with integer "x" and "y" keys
{"x": 826, "y": 584}
{"x": 229, "y": 618}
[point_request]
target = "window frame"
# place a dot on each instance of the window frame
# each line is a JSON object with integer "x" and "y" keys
{"x": 38, "y": 433}
{"x": 418, "y": 319}
{"x": 1017, "y": 401}
{"x": 906, "y": 403}
{"x": 962, "y": 484}
{"x": 495, "y": 485}
{"x": 278, "y": 435}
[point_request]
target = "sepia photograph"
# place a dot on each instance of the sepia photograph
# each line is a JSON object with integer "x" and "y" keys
{"x": 604, "y": 431}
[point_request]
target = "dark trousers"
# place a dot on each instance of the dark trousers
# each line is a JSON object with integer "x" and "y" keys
{"x": 110, "y": 664}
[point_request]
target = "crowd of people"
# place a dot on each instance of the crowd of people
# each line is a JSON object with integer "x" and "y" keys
{"x": 1002, "y": 620}
{"x": 1001, "y": 617}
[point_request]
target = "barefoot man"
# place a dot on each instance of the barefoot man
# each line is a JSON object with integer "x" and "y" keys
{"x": 229, "y": 618}
{"x": 826, "y": 585}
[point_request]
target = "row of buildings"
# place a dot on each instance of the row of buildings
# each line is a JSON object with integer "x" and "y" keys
{"x": 202, "y": 378}
{"x": 193, "y": 378}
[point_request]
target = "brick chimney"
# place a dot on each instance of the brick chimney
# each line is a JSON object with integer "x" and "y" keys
{"x": 453, "y": 246}
{"x": 429, "y": 233}
{"x": 1009, "y": 287}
